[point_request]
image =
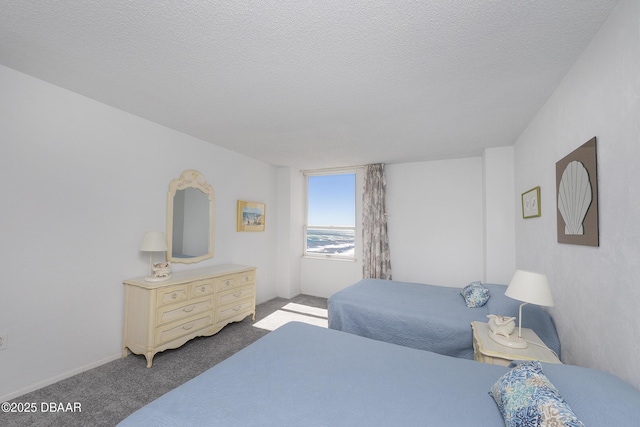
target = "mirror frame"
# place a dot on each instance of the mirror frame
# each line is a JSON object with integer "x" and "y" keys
{"x": 189, "y": 179}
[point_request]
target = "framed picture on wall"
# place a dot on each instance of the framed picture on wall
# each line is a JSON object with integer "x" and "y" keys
{"x": 251, "y": 216}
{"x": 531, "y": 203}
{"x": 577, "y": 196}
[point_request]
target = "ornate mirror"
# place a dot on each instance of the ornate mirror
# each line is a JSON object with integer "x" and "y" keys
{"x": 190, "y": 206}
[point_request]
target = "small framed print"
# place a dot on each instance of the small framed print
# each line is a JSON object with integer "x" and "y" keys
{"x": 251, "y": 216}
{"x": 531, "y": 203}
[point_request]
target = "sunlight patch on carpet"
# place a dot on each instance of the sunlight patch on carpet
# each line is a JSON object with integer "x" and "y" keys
{"x": 301, "y": 308}
{"x": 293, "y": 312}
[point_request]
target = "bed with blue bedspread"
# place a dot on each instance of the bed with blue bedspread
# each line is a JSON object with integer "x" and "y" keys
{"x": 427, "y": 317}
{"x": 303, "y": 375}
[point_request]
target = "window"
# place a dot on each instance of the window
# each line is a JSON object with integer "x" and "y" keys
{"x": 331, "y": 215}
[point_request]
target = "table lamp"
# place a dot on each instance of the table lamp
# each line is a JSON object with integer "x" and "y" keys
{"x": 153, "y": 241}
{"x": 530, "y": 288}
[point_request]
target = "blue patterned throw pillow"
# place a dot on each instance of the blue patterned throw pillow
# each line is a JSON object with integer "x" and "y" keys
{"x": 475, "y": 295}
{"x": 526, "y": 398}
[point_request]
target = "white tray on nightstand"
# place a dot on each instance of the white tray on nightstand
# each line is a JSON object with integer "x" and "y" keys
{"x": 487, "y": 350}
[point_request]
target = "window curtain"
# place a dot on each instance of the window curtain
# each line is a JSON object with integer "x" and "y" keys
{"x": 376, "y": 261}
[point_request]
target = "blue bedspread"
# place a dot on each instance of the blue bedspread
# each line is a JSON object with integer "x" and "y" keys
{"x": 427, "y": 317}
{"x": 303, "y": 375}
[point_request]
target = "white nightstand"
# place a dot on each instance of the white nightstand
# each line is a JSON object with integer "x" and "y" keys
{"x": 486, "y": 350}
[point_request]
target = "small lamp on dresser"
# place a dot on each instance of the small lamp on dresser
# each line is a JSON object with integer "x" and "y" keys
{"x": 530, "y": 288}
{"x": 154, "y": 241}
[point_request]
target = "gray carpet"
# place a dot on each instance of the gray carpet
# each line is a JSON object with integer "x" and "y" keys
{"x": 111, "y": 392}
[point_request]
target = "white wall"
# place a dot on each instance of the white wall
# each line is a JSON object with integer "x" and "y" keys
{"x": 499, "y": 226}
{"x": 82, "y": 182}
{"x": 290, "y": 231}
{"x": 596, "y": 289}
{"x": 436, "y": 221}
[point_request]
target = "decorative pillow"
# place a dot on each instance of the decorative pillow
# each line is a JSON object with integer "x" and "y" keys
{"x": 526, "y": 398}
{"x": 475, "y": 295}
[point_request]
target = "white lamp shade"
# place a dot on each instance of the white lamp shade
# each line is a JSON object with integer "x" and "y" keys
{"x": 153, "y": 241}
{"x": 532, "y": 288}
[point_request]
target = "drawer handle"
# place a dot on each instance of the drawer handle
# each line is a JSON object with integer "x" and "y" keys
{"x": 202, "y": 289}
{"x": 237, "y": 308}
{"x": 174, "y": 295}
{"x": 189, "y": 309}
{"x": 187, "y": 327}
{"x": 237, "y": 294}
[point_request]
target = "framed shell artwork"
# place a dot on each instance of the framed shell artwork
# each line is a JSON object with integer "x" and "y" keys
{"x": 577, "y": 196}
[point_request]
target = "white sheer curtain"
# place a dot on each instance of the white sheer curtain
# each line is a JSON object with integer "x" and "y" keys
{"x": 376, "y": 261}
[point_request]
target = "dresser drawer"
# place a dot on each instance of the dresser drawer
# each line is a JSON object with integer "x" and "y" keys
{"x": 168, "y": 333}
{"x": 172, "y": 295}
{"x": 201, "y": 288}
{"x": 235, "y": 280}
{"x": 225, "y": 283}
{"x": 171, "y": 313}
{"x": 245, "y": 278}
{"x": 243, "y": 307}
{"x": 234, "y": 295}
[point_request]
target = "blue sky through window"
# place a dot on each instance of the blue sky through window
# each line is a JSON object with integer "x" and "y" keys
{"x": 332, "y": 200}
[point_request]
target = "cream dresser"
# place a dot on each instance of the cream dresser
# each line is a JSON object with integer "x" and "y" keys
{"x": 163, "y": 315}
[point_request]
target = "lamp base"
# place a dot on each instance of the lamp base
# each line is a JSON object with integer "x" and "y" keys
{"x": 157, "y": 279}
{"x": 513, "y": 341}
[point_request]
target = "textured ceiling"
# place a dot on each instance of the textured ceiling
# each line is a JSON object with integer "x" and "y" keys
{"x": 315, "y": 83}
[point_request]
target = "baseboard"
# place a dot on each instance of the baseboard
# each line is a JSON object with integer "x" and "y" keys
{"x": 52, "y": 380}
